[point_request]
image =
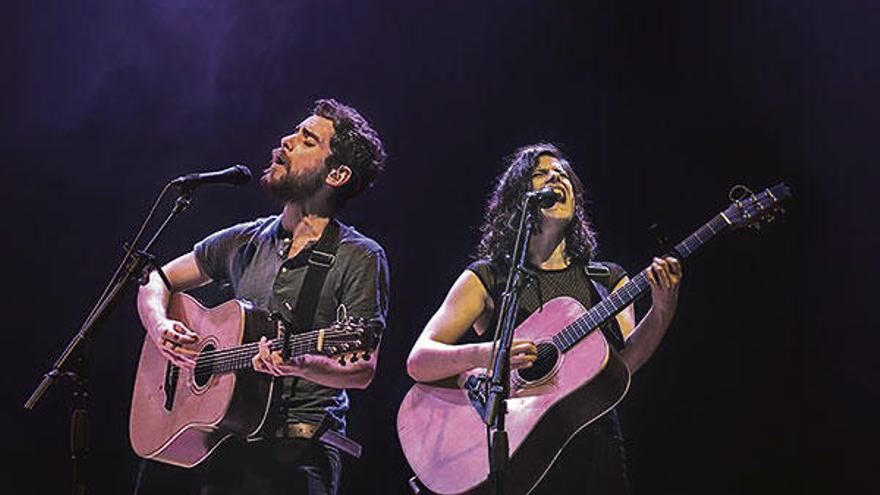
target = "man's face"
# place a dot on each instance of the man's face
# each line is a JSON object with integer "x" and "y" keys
{"x": 549, "y": 172}
{"x": 297, "y": 169}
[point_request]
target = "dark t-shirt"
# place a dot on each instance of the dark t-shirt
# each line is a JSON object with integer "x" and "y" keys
{"x": 252, "y": 257}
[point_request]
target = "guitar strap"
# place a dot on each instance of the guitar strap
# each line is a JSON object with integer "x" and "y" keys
{"x": 302, "y": 318}
{"x": 322, "y": 257}
{"x": 600, "y": 276}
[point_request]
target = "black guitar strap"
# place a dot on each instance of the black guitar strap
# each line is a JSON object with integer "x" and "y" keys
{"x": 600, "y": 276}
{"x": 322, "y": 257}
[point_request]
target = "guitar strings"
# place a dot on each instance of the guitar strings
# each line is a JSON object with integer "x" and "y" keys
{"x": 299, "y": 342}
{"x": 295, "y": 340}
{"x": 244, "y": 353}
{"x": 240, "y": 359}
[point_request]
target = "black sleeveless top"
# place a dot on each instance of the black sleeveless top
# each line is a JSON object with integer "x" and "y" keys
{"x": 545, "y": 285}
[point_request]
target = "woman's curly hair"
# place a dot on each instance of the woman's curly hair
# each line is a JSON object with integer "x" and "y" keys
{"x": 499, "y": 225}
{"x": 354, "y": 144}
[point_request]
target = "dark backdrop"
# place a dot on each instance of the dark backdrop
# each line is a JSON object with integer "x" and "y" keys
{"x": 765, "y": 382}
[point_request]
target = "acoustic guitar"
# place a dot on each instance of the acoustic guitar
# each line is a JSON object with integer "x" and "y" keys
{"x": 180, "y": 416}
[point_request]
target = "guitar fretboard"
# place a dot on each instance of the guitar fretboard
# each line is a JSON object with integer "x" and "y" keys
{"x": 237, "y": 358}
{"x": 636, "y": 288}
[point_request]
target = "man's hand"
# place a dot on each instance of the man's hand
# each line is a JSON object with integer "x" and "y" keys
{"x": 171, "y": 337}
{"x": 272, "y": 363}
{"x": 664, "y": 276}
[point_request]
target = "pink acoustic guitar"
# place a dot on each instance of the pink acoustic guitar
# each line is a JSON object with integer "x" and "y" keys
{"x": 576, "y": 379}
{"x": 179, "y": 416}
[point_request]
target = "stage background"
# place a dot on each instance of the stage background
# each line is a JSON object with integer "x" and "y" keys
{"x": 764, "y": 384}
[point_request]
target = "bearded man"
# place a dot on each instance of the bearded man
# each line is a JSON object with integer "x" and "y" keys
{"x": 330, "y": 157}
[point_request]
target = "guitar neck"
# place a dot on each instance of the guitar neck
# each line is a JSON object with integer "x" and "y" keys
{"x": 239, "y": 358}
{"x": 635, "y": 289}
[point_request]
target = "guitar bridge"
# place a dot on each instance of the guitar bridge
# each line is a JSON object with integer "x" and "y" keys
{"x": 172, "y": 373}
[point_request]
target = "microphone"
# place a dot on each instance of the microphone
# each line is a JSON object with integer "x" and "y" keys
{"x": 545, "y": 197}
{"x": 234, "y": 176}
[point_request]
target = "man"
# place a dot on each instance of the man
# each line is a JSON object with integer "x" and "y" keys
{"x": 330, "y": 157}
{"x": 558, "y": 253}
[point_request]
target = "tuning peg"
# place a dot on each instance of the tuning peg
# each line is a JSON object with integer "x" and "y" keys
{"x": 366, "y": 356}
{"x": 354, "y": 358}
{"x": 342, "y": 361}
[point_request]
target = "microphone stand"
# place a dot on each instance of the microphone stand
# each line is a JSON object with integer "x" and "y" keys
{"x": 489, "y": 394}
{"x": 72, "y": 362}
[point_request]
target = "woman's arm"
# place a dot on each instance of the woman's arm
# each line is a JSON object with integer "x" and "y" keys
{"x": 436, "y": 355}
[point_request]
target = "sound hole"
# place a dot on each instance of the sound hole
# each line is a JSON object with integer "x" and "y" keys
{"x": 547, "y": 357}
{"x": 204, "y": 368}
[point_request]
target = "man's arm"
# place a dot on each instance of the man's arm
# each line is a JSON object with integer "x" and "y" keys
{"x": 170, "y": 336}
{"x": 436, "y": 355}
{"x": 318, "y": 369}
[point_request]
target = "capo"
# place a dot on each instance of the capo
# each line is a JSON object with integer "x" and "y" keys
{"x": 286, "y": 325}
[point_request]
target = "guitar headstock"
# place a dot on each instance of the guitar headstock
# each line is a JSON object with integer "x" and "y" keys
{"x": 751, "y": 210}
{"x": 351, "y": 339}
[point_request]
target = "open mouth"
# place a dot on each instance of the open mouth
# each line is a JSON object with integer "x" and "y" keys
{"x": 279, "y": 159}
{"x": 561, "y": 191}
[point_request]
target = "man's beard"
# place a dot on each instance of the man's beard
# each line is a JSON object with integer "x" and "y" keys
{"x": 294, "y": 187}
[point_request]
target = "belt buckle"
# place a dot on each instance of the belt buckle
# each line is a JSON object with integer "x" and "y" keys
{"x": 296, "y": 430}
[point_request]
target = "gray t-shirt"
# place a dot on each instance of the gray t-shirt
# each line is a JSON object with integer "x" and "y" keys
{"x": 252, "y": 257}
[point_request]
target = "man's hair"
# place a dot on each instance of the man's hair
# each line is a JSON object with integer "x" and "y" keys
{"x": 354, "y": 144}
{"x": 501, "y": 219}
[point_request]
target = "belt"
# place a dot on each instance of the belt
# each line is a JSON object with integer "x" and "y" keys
{"x": 310, "y": 431}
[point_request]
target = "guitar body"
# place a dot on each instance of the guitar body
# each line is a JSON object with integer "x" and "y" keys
{"x": 444, "y": 438}
{"x": 180, "y": 418}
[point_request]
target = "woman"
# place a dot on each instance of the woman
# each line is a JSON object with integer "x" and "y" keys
{"x": 558, "y": 254}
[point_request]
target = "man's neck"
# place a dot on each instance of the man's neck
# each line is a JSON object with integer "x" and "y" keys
{"x": 547, "y": 247}
{"x": 304, "y": 221}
